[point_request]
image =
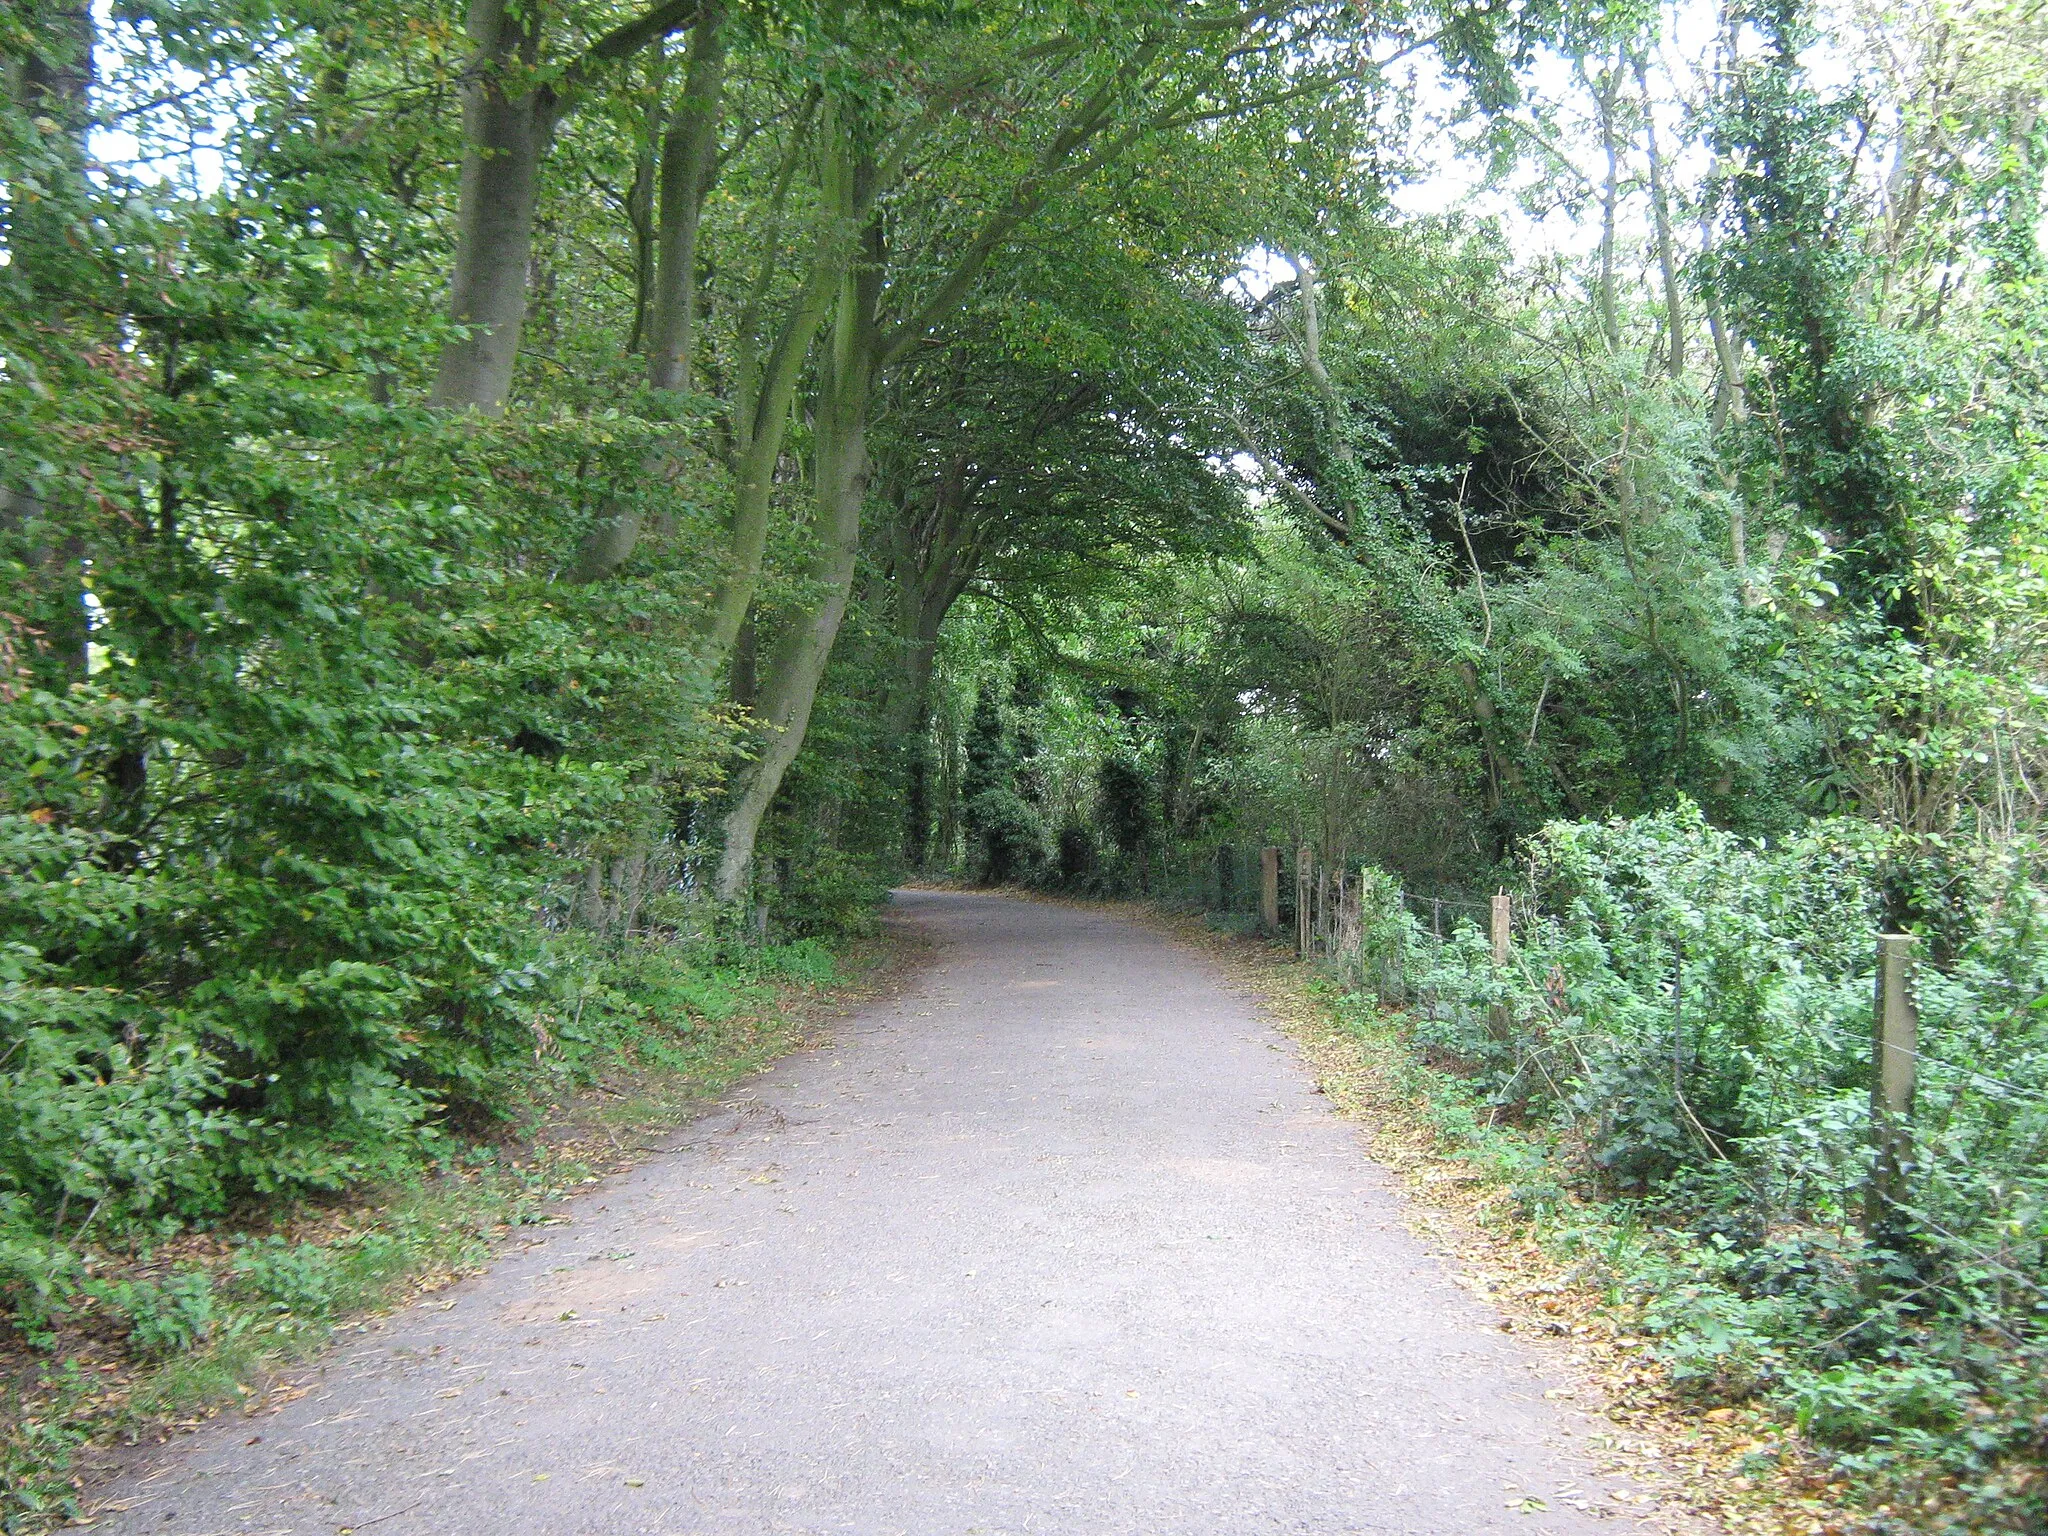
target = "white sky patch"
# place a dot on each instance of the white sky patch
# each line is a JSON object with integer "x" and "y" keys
{"x": 183, "y": 139}
{"x": 1561, "y": 142}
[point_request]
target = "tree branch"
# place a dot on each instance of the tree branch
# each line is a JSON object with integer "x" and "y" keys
{"x": 1287, "y": 483}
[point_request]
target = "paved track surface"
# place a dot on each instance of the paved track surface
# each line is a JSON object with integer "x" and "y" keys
{"x": 1058, "y": 1240}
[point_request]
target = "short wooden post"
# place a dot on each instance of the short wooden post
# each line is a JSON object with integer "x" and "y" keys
{"x": 1269, "y": 888}
{"x": 1350, "y": 927}
{"x": 1894, "y": 1050}
{"x": 1304, "y": 878}
{"x": 1503, "y": 922}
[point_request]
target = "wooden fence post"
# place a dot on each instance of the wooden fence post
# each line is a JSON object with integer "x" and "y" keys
{"x": 1894, "y": 1052}
{"x": 1497, "y": 1022}
{"x": 1304, "y": 878}
{"x": 1350, "y": 925}
{"x": 1269, "y": 888}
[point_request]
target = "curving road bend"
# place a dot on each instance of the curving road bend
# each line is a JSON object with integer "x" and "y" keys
{"x": 1059, "y": 1239}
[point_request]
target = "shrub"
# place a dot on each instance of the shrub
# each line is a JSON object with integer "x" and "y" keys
{"x": 828, "y": 891}
{"x": 1855, "y": 1404}
{"x": 1009, "y": 835}
{"x": 40, "y": 1282}
{"x": 164, "y": 1317}
{"x": 302, "y": 1279}
{"x": 1689, "y": 1036}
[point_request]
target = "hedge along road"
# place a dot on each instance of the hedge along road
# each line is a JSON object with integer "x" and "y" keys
{"x": 1054, "y": 1241}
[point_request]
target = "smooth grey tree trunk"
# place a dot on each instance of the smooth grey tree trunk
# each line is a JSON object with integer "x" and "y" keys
{"x": 508, "y": 122}
{"x": 763, "y": 415}
{"x": 1667, "y": 254}
{"x": 934, "y": 559}
{"x": 689, "y": 152}
{"x": 505, "y": 137}
{"x": 796, "y": 665}
{"x": 1607, "y": 301}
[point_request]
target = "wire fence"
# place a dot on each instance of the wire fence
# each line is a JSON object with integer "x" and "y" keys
{"x": 1491, "y": 961}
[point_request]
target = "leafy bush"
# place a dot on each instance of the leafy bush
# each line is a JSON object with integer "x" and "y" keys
{"x": 40, "y": 1281}
{"x": 1688, "y": 1036}
{"x": 164, "y": 1316}
{"x": 1076, "y": 857}
{"x": 829, "y": 892}
{"x": 1123, "y": 804}
{"x": 302, "y": 1279}
{"x": 1857, "y": 1404}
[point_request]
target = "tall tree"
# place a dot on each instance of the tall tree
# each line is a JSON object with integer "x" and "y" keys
{"x": 514, "y": 98}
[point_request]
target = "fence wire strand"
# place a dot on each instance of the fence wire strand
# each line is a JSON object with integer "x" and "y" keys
{"x": 1322, "y": 926}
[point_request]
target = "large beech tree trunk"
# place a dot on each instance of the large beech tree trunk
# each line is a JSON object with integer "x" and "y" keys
{"x": 763, "y": 413}
{"x": 795, "y": 665}
{"x": 933, "y": 560}
{"x": 689, "y": 154}
{"x": 910, "y": 705}
{"x": 506, "y": 129}
{"x": 508, "y": 121}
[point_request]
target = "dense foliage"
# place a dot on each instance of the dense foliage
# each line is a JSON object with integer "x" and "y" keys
{"x": 1691, "y": 1038}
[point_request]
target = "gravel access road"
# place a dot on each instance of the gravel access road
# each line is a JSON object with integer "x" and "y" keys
{"x": 1058, "y": 1239}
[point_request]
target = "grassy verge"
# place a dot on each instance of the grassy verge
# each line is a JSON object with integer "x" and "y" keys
{"x": 164, "y": 1333}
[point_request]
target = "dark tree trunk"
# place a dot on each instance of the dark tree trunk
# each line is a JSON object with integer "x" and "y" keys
{"x": 50, "y": 82}
{"x": 689, "y": 153}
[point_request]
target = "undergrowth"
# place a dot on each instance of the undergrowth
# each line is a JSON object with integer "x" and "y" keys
{"x": 1670, "y": 1081}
